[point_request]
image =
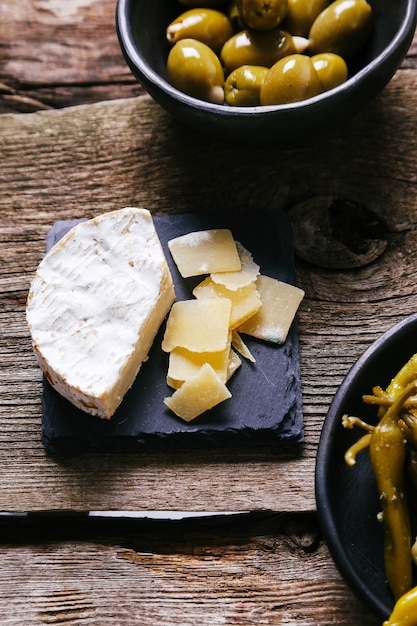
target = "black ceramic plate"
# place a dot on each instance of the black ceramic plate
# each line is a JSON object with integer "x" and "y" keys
{"x": 347, "y": 499}
{"x": 266, "y": 397}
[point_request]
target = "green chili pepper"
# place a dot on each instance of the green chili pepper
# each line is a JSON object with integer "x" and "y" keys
{"x": 405, "y": 610}
{"x": 388, "y": 442}
{"x": 387, "y": 449}
{"x": 403, "y": 378}
{"x": 408, "y": 417}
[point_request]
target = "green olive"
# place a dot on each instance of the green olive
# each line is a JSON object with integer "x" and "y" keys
{"x": 210, "y": 26}
{"x": 291, "y": 79}
{"x": 343, "y": 28}
{"x": 243, "y": 85}
{"x": 262, "y": 14}
{"x": 251, "y": 47}
{"x": 233, "y": 14}
{"x": 331, "y": 69}
{"x": 195, "y": 69}
{"x": 301, "y": 15}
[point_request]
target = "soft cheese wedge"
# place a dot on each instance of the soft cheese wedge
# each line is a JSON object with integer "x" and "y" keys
{"x": 95, "y": 305}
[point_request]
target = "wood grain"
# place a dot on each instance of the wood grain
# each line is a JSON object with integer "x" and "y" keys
{"x": 264, "y": 569}
{"x": 58, "y": 53}
{"x": 78, "y": 136}
{"x": 85, "y": 160}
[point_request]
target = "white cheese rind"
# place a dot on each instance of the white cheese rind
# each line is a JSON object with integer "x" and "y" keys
{"x": 95, "y": 305}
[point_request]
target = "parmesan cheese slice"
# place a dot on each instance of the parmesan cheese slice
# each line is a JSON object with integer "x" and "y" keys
{"x": 183, "y": 364}
{"x": 205, "y": 251}
{"x": 240, "y": 346}
{"x": 198, "y": 325}
{"x": 247, "y": 274}
{"x": 234, "y": 363}
{"x": 245, "y": 300}
{"x": 95, "y": 305}
{"x": 198, "y": 394}
{"x": 280, "y": 302}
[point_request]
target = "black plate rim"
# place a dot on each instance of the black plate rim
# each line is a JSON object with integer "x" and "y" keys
{"x": 324, "y": 507}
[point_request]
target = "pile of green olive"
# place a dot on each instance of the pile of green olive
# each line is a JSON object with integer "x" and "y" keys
{"x": 264, "y": 52}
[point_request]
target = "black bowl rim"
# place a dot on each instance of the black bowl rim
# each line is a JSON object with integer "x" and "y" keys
{"x": 324, "y": 505}
{"x": 398, "y": 46}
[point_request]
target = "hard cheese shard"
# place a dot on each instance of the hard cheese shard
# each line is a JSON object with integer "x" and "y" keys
{"x": 248, "y": 273}
{"x": 185, "y": 363}
{"x": 206, "y": 251}
{"x": 245, "y": 300}
{"x": 95, "y": 305}
{"x": 273, "y": 320}
{"x": 198, "y": 325}
{"x": 198, "y": 394}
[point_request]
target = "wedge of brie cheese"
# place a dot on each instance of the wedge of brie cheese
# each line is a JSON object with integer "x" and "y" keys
{"x": 95, "y": 306}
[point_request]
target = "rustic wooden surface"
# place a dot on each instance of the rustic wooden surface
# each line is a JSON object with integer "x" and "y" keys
{"x": 78, "y": 137}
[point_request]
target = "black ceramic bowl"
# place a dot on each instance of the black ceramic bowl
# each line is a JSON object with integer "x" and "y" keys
{"x": 141, "y": 29}
{"x": 347, "y": 497}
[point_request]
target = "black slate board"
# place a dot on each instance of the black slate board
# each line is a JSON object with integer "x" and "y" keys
{"x": 266, "y": 403}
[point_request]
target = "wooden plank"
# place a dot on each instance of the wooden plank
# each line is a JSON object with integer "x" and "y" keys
{"x": 59, "y": 53}
{"x": 247, "y": 570}
{"x": 242, "y": 569}
{"x": 89, "y": 159}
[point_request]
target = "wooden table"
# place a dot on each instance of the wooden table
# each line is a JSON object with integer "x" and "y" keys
{"x": 78, "y": 137}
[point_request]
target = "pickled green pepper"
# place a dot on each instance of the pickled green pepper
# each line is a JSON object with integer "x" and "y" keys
{"x": 387, "y": 450}
{"x": 405, "y": 610}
